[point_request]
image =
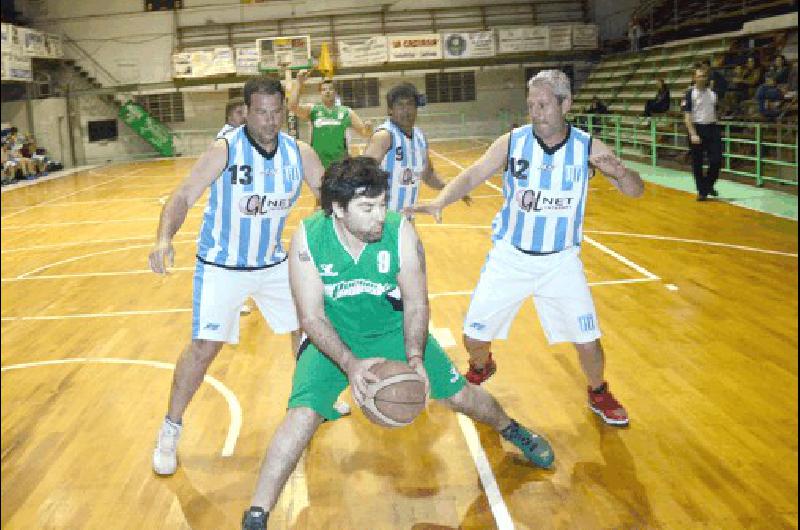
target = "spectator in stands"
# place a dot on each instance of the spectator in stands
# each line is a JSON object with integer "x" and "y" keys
{"x": 735, "y": 95}
{"x": 779, "y": 70}
{"x": 699, "y": 107}
{"x": 9, "y": 167}
{"x": 634, "y": 34}
{"x": 753, "y": 74}
{"x": 596, "y": 108}
{"x": 660, "y": 104}
{"x": 716, "y": 76}
{"x": 20, "y": 162}
{"x": 769, "y": 98}
{"x": 37, "y": 156}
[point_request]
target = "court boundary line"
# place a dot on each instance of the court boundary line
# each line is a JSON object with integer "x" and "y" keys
{"x": 485, "y": 473}
{"x": 38, "y": 205}
{"x": 234, "y": 408}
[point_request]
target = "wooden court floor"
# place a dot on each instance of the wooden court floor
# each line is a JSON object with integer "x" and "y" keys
{"x": 697, "y": 302}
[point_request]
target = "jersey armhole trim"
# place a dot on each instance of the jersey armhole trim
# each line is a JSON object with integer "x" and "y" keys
{"x": 305, "y": 239}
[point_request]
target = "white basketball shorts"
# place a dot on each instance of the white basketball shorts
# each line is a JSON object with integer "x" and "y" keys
{"x": 219, "y": 294}
{"x": 557, "y": 284}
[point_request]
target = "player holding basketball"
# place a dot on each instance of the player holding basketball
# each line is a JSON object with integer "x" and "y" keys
{"x": 329, "y": 121}
{"x": 358, "y": 277}
{"x": 402, "y": 149}
{"x": 255, "y": 174}
{"x": 537, "y": 235}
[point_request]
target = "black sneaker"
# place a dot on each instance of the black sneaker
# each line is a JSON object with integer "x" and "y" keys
{"x": 714, "y": 193}
{"x": 255, "y": 519}
{"x": 701, "y": 198}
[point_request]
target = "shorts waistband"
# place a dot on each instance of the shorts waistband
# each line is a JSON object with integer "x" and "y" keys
{"x": 237, "y": 268}
{"x": 534, "y": 253}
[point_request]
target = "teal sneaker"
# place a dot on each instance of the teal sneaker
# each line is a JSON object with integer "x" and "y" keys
{"x": 534, "y": 447}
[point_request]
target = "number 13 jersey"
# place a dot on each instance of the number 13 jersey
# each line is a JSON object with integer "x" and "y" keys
{"x": 249, "y": 203}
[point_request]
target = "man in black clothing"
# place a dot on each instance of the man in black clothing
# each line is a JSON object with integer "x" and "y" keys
{"x": 699, "y": 115}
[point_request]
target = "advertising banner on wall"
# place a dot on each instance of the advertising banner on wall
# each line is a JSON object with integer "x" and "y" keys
{"x": 584, "y": 36}
{"x": 531, "y": 39}
{"x": 16, "y": 68}
{"x": 247, "y": 60}
{"x": 560, "y": 37}
{"x": 54, "y": 47}
{"x": 182, "y": 65}
{"x": 422, "y": 47}
{"x": 153, "y": 131}
{"x": 202, "y": 63}
{"x": 10, "y": 39}
{"x": 33, "y": 42}
{"x": 223, "y": 61}
{"x": 468, "y": 45}
{"x": 363, "y": 52}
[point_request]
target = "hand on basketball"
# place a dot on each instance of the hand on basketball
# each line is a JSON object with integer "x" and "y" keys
{"x": 418, "y": 365}
{"x": 162, "y": 253}
{"x": 430, "y": 208}
{"x": 360, "y": 377}
{"x": 608, "y": 164}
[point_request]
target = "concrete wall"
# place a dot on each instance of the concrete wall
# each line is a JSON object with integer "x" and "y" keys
{"x": 612, "y": 17}
{"x": 15, "y": 113}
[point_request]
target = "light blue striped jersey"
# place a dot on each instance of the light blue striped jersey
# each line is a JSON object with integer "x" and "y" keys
{"x": 225, "y": 130}
{"x": 249, "y": 203}
{"x": 404, "y": 161}
{"x": 545, "y": 191}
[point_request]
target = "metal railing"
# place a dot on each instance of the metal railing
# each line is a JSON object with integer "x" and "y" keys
{"x": 763, "y": 152}
{"x": 750, "y": 149}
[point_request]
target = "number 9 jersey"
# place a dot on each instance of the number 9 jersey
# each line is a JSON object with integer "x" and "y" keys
{"x": 249, "y": 203}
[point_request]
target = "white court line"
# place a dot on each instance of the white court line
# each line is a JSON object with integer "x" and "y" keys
{"x": 695, "y": 241}
{"x": 89, "y": 255}
{"x": 235, "y": 410}
{"x": 92, "y": 274}
{"x": 100, "y": 315}
{"x": 103, "y": 201}
{"x": 638, "y": 268}
{"x": 460, "y": 167}
{"x": 499, "y": 509}
{"x": 34, "y": 226}
{"x": 83, "y": 243}
{"x": 54, "y": 199}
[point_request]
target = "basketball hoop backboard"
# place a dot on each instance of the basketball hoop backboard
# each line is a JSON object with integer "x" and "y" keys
{"x": 279, "y": 53}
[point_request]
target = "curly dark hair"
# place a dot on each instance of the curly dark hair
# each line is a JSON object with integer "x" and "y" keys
{"x": 360, "y": 176}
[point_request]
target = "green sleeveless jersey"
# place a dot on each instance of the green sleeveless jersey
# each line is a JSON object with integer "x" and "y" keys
{"x": 328, "y": 132}
{"x": 362, "y": 299}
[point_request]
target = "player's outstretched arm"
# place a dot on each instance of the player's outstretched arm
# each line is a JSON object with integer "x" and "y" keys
{"x": 293, "y": 97}
{"x": 626, "y": 180}
{"x": 308, "y": 292}
{"x": 413, "y": 283}
{"x": 493, "y": 159}
{"x": 205, "y": 171}
{"x": 312, "y": 167}
{"x": 432, "y": 179}
{"x": 362, "y": 127}
{"x": 378, "y": 145}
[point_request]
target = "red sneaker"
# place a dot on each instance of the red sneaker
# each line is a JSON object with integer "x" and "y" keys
{"x": 477, "y": 375}
{"x": 604, "y": 405}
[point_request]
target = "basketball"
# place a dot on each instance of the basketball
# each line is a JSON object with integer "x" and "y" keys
{"x": 397, "y": 398}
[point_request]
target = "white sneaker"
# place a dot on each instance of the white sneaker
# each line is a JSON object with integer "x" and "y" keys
{"x": 165, "y": 455}
{"x": 342, "y": 408}
{"x": 245, "y": 309}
